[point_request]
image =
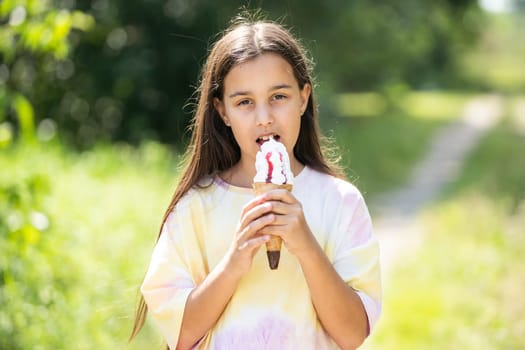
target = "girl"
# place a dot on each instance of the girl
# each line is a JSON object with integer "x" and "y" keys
{"x": 208, "y": 285}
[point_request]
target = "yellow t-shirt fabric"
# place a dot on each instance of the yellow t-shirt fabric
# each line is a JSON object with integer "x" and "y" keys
{"x": 271, "y": 309}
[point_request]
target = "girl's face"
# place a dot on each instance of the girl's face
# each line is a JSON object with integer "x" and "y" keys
{"x": 262, "y": 98}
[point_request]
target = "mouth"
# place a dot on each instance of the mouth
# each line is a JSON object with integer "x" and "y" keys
{"x": 262, "y": 139}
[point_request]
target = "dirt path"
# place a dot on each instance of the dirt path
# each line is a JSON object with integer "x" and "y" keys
{"x": 395, "y": 218}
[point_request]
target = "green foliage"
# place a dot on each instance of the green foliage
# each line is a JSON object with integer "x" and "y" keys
{"x": 34, "y": 46}
{"x": 38, "y": 27}
{"x": 25, "y": 118}
{"x": 132, "y": 76}
{"x": 495, "y": 63}
{"x": 33, "y": 289}
{"x": 76, "y": 232}
{"x": 360, "y": 45}
{"x": 25, "y": 114}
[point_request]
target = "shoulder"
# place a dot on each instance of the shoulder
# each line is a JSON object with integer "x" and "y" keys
{"x": 334, "y": 207}
{"x": 208, "y": 194}
{"x": 328, "y": 185}
{"x": 195, "y": 197}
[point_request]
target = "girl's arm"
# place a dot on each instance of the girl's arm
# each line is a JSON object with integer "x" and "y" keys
{"x": 207, "y": 301}
{"x": 338, "y": 307}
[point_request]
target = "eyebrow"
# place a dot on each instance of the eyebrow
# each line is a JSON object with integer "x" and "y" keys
{"x": 276, "y": 87}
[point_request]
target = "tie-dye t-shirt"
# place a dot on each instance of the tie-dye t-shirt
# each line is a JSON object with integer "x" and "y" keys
{"x": 271, "y": 309}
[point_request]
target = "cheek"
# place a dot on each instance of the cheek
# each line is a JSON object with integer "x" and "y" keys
{"x": 287, "y": 112}
{"x": 239, "y": 115}
{"x": 297, "y": 119}
{"x": 241, "y": 131}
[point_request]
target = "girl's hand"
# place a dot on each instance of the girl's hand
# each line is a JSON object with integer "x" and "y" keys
{"x": 288, "y": 222}
{"x": 254, "y": 216}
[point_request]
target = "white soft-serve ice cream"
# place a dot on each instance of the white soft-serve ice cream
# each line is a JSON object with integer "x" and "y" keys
{"x": 273, "y": 171}
{"x": 273, "y": 164}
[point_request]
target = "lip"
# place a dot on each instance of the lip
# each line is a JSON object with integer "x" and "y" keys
{"x": 265, "y": 137}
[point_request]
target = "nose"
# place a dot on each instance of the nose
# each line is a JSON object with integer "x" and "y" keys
{"x": 263, "y": 115}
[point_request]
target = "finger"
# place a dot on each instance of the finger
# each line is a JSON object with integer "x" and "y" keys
{"x": 281, "y": 195}
{"x": 253, "y": 243}
{"x": 273, "y": 230}
{"x": 252, "y": 203}
{"x": 254, "y": 213}
{"x": 282, "y": 208}
{"x": 254, "y": 227}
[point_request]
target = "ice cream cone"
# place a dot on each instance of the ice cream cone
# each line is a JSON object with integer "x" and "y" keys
{"x": 273, "y": 246}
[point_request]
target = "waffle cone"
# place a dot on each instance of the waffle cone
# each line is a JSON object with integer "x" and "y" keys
{"x": 273, "y": 246}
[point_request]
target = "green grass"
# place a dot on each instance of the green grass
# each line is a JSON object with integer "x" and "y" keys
{"x": 497, "y": 168}
{"x": 379, "y": 144}
{"x": 379, "y": 152}
{"x": 426, "y": 105}
{"x": 363, "y": 104}
{"x": 115, "y": 198}
{"x": 104, "y": 209}
{"x": 441, "y": 105}
{"x": 462, "y": 289}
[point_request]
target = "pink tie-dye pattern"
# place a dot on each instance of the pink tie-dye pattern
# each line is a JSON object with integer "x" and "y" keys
{"x": 270, "y": 332}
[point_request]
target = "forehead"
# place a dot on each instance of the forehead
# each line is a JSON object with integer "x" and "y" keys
{"x": 263, "y": 71}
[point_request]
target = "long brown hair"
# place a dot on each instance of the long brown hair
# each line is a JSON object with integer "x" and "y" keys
{"x": 212, "y": 148}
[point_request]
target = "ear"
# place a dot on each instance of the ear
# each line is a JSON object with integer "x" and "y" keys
{"x": 219, "y": 106}
{"x": 305, "y": 95}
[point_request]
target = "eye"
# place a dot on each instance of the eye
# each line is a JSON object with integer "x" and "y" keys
{"x": 244, "y": 102}
{"x": 279, "y": 97}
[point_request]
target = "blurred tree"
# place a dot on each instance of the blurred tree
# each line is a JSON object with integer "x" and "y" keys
{"x": 363, "y": 45}
{"x": 133, "y": 76}
{"x": 137, "y": 70}
{"x": 34, "y": 48}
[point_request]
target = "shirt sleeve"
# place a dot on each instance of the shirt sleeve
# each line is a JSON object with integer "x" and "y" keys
{"x": 356, "y": 258}
{"x": 168, "y": 281}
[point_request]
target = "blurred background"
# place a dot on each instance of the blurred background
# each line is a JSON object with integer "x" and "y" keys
{"x": 95, "y": 99}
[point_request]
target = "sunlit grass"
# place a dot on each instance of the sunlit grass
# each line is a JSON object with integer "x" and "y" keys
{"x": 516, "y": 110}
{"x": 435, "y": 104}
{"x": 115, "y": 198}
{"x": 497, "y": 168}
{"x": 105, "y": 206}
{"x": 379, "y": 152}
{"x": 440, "y": 105}
{"x": 363, "y": 104}
{"x": 462, "y": 288}
{"x": 379, "y": 148}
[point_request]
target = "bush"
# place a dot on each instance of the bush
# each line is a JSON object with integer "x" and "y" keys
{"x": 34, "y": 290}
{"x": 76, "y": 232}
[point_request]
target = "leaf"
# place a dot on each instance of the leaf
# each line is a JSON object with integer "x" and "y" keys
{"x": 25, "y": 114}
